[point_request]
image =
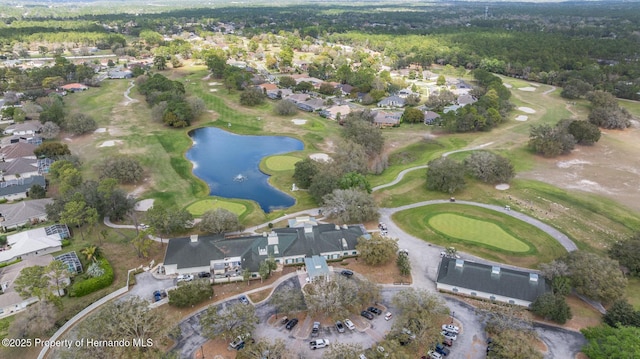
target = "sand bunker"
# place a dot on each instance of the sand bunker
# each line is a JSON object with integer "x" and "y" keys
{"x": 522, "y": 118}
{"x": 508, "y": 86}
{"x": 110, "y": 143}
{"x": 502, "y": 187}
{"x": 214, "y": 83}
{"x": 213, "y": 90}
{"x": 572, "y": 163}
{"x": 527, "y": 89}
{"x": 298, "y": 122}
{"x": 526, "y": 109}
{"x": 320, "y": 157}
{"x": 144, "y": 205}
{"x": 100, "y": 130}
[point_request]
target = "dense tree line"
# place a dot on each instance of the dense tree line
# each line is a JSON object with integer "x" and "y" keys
{"x": 561, "y": 139}
{"x": 168, "y": 100}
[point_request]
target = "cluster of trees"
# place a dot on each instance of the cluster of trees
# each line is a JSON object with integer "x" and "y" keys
{"x": 43, "y": 282}
{"x": 448, "y": 176}
{"x": 377, "y": 250}
{"x": 561, "y": 139}
{"x": 219, "y": 220}
{"x": 340, "y": 296}
{"x": 188, "y": 294}
{"x": 489, "y": 111}
{"x": 605, "y": 111}
{"x": 168, "y": 100}
{"x": 511, "y": 336}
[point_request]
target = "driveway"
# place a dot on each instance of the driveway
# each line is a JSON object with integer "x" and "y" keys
{"x": 146, "y": 284}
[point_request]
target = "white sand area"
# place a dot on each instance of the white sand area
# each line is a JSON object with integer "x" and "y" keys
{"x": 100, "y": 130}
{"x": 214, "y": 83}
{"x": 526, "y": 109}
{"x": 144, "y": 205}
{"x": 522, "y": 118}
{"x": 110, "y": 143}
{"x": 508, "y": 86}
{"x": 213, "y": 90}
{"x": 320, "y": 157}
{"x": 298, "y": 121}
{"x": 527, "y": 89}
{"x": 502, "y": 187}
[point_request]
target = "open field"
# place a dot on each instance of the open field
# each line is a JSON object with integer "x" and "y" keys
{"x": 465, "y": 228}
{"x": 199, "y": 207}
{"x": 536, "y": 246}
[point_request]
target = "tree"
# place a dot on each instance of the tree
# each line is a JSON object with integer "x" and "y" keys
{"x": 142, "y": 243}
{"x": 187, "y": 294}
{"x": 49, "y": 130}
{"x": 124, "y": 169}
{"x": 285, "y": 108}
{"x": 350, "y": 157}
{"x": 167, "y": 220}
{"x": 76, "y": 213}
{"x": 421, "y": 312}
{"x": 606, "y": 342}
{"x": 445, "y": 175}
{"x": 605, "y": 111}
{"x": 324, "y": 182}
{"x": 230, "y": 321}
{"x": 575, "y": 88}
{"x": 354, "y": 180}
{"x": 338, "y": 297}
{"x": 412, "y": 115}
{"x": 80, "y": 123}
{"x": 377, "y": 250}
{"x": 627, "y": 252}
{"x": 327, "y": 89}
{"x": 252, "y": 97}
{"x": 51, "y": 150}
{"x": 621, "y": 313}
{"x": 287, "y": 82}
{"x": 304, "y": 87}
{"x": 160, "y": 63}
{"x": 359, "y": 128}
{"x": 550, "y": 141}
{"x": 439, "y": 100}
{"x": 37, "y": 191}
{"x": 350, "y": 206}
{"x": 552, "y": 307}
{"x": 585, "y": 133}
{"x": 596, "y": 277}
{"x": 263, "y": 271}
{"x": 404, "y": 265}
{"x": 38, "y": 321}
{"x": 489, "y": 167}
{"x": 59, "y": 274}
{"x": 219, "y": 221}
{"x": 276, "y": 350}
{"x": 32, "y": 282}
{"x": 216, "y": 62}
{"x": 287, "y": 299}
{"x": 343, "y": 351}
{"x": 304, "y": 172}
{"x": 90, "y": 253}
{"x": 131, "y": 319}
{"x": 441, "y": 81}
{"x": 197, "y": 105}
{"x": 286, "y": 56}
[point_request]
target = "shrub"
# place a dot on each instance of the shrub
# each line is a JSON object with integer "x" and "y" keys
{"x": 95, "y": 270}
{"x": 190, "y": 293}
{"x": 91, "y": 285}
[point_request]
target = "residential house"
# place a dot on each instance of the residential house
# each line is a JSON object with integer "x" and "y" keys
{"x": 346, "y": 89}
{"x": 74, "y": 87}
{"x": 279, "y": 93}
{"x": 466, "y": 99}
{"x": 392, "y": 101}
{"x": 449, "y": 108}
{"x": 24, "y": 128}
{"x": 266, "y": 87}
{"x": 229, "y": 257}
{"x": 334, "y": 111}
{"x": 18, "y": 168}
{"x": 17, "y": 150}
{"x": 490, "y": 282}
{"x": 13, "y": 215}
{"x": 404, "y": 93}
{"x": 297, "y": 97}
{"x": 10, "y": 301}
{"x": 311, "y": 105}
{"x": 34, "y": 242}
{"x": 120, "y": 74}
{"x": 19, "y": 188}
{"x": 386, "y": 119}
{"x": 431, "y": 118}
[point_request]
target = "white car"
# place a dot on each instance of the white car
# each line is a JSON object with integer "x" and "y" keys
{"x": 319, "y": 343}
{"x": 185, "y": 278}
{"x": 433, "y": 355}
{"x": 451, "y": 328}
{"x": 388, "y": 316}
{"x": 449, "y": 335}
{"x": 349, "y": 324}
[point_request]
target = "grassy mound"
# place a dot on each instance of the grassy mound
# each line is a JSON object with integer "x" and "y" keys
{"x": 281, "y": 163}
{"x": 199, "y": 207}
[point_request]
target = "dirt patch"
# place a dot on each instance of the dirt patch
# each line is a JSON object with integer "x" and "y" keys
{"x": 144, "y": 205}
{"x": 215, "y": 349}
{"x": 384, "y": 274}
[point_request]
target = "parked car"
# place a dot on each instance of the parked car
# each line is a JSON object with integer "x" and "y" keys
{"x": 347, "y": 273}
{"x": 159, "y": 294}
{"x": 367, "y": 314}
{"x": 442, "y": 350}
{"x": 409, "y": 333}
{"x": 388, "y": 316}
{"x": 448, "y": 342}
{"x": 239, "y": 342}
{"x": 284, "y": 320}
{"x": 204, "y": 274}
{"x": 433, "y": 355}
{"x": 374, "y": 310}
{"x": 349, "y": 324}
{"x": 340, "y": 327}
{"x": 362, "y": 356}
{"x": 449, "y": 335}
{"x": 292, "y": 323}
{"x": 451, "y": 328}
{"x": 319, "y": 343}
{"x": 184, "y": 278}
{"x": 243, "y": 299}
{"x": 316, "y": 329}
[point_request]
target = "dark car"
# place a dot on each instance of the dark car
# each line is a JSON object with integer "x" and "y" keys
{"x": 347, "y": 273}
{"x": 243, "y": 300}
{"x": 367, "y": 314}
{"x": 204, "y": 274}
{"x": 442, "y": 350}
{"x": 448, "y": 342}
{"x": 374, "y": 310}
{"x": 292, "y": 323}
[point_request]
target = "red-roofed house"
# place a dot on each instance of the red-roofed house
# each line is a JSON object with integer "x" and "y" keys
{"x": 74, "y": 87}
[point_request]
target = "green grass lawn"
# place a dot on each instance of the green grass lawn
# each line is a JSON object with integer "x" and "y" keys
{"x": 633, "y": 292}
{"x": 532, "y": 246}
{"x": 199, "y": 207}
{"x": 476, "y": 230}
{"x": 281, "y": 163}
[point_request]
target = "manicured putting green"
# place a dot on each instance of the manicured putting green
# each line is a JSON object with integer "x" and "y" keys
{"x": 475, "y": 230}
{"x": 281, "y": 163}
{"x": 199, "y": 207}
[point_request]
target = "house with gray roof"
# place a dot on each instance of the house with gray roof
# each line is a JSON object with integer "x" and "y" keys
{"x": 392, "y": 101}
{"x": 431, "y": 118}
{"x": 17, "y": 150}
{"x": 229, "y": 257}
{"x": 18, "y": 168}
{"x": 24, "y": 128}
{"x": 490, "y": 282}
{"x": 19, "y": 188}
{"x": 13, "y": 215}
{"x": 387, "y": 119}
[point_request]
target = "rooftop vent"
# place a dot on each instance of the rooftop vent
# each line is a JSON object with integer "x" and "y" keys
{"x": 276, "y": 250}
{"x": 262, "y": 251}
{"x": 344, "y": 226}
{"x": 345, "y": 245}
{"x": 495, "y": 270}
{"x": 194, "y": 238}
{"x": 308, "y": 229}
{"x": 337, "y": 227}
{"x": 459, "y": 263}
{"x": 533, "y": 278}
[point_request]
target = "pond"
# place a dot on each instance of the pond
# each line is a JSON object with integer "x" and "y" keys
{"x": 229, "y": 164}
